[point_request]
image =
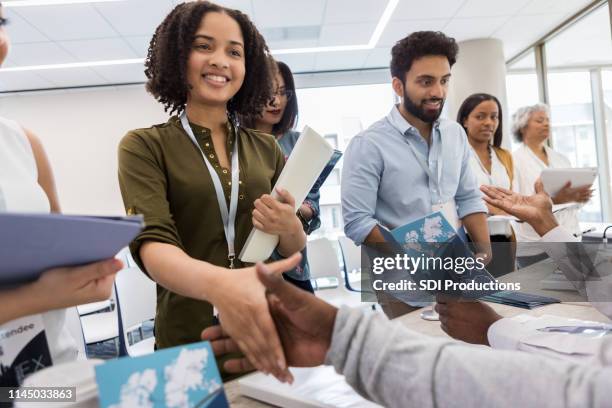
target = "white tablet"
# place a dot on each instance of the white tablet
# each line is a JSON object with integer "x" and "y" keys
{"x": 555, "y": 179}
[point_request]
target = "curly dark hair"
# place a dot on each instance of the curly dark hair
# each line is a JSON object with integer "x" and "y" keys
{"x": 420, "y": 44}
{"x": 166, "y": 62}
{"x": 471, "y": 103}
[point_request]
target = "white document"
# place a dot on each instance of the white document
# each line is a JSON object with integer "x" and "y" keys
{"x": 306, "y": 162}
{"x": 555, "y": 179}
{"x": 317, "y": 387}
{"x": 521, "y": 333}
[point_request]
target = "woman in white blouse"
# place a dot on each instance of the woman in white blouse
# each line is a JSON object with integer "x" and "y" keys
{"x": 481, "y": 117}
{"x": 531, "y": 127}
{"x": 27, "y": 185}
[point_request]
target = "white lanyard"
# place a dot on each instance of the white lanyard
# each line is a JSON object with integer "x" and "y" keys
{"x": 484, "y": 169}
{"x": 228, "y": 217}
{"x": 423, "y": 162}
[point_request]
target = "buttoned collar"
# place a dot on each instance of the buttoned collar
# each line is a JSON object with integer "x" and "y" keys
{"x": 402, "y": 125}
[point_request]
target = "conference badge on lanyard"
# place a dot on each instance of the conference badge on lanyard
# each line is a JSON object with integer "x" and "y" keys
{"x": 228, "y": 215}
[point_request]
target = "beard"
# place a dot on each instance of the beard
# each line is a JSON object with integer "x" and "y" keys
{"x": 419, "y": 110}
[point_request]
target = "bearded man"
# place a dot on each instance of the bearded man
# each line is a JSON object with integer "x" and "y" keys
{"x": 412, "y": 163}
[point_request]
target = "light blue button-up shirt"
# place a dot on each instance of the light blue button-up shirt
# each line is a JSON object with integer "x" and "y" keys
{"x": 383, "y": 183}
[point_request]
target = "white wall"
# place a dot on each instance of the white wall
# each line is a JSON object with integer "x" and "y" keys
{"x": 81, "y": 131}
{"x": 480, "y": 67}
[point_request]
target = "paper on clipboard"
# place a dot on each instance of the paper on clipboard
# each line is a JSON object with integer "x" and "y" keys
{"x": 306, "y": 162}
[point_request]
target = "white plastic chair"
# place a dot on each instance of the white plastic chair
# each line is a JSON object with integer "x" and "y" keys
{"x": 351, "y": 254}
{"x": 94, "y": 307}
{"x": 99, "y": 326}
{"x": 323, "y": 261}
{"x": 136, "y": 302}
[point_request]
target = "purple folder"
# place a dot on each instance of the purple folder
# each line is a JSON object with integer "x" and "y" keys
{"x": 32, "y": 243}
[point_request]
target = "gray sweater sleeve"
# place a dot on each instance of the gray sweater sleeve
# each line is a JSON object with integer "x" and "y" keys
{"x": 393, "y": 366}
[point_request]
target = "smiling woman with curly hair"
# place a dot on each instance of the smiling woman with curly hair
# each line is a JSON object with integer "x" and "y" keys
{"x": 202, "y": 182}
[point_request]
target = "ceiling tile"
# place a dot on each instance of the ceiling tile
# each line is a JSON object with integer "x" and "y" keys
{"x": 285, "y": 13}
{"x": 462, "y": 29}
{"x": 396, "y": 30}
{"x": 68, "y": 22}
{"x": 17, "y": 81}
{"x": 554, "y": 6}
{"x": 243, "y": 5}
{"x": 426, "y": 10}
{"x": 521, "y": 31}
{"x": 20, "y": 30}
{"x": 140, "y": 44}
{"x": 73, "y": 77}
{"x": 346, "y": 34}
{"x": 40, "y": 54}
{"x": 378, "y": 58}
{"x": 281, "y": 45}
{"x": 353, "y": 11}
{"x": 298, "y": 62}
{"x": 150, "y": 14}
{"x": 490, "y": 8}
{"x": 121, "y": 74}
{"x": 99, "y": 50}
{"x": 334, "y": 61}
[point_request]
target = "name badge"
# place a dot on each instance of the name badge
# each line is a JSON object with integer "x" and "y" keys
{"x": 23, "y": 350}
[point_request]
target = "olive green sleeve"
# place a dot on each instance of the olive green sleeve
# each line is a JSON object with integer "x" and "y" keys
{"x": 143, "y": 187}
{"x": 279, "y": 162}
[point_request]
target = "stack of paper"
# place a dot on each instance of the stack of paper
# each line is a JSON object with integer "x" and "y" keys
{"x": 518, "y": 299}
{"x": 305, "y": 165}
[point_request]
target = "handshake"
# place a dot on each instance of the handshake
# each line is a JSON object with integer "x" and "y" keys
{"x": 304, "y": 324}
{"x": 277, "y": 325}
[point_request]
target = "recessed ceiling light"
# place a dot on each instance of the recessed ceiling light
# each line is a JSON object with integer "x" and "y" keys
{"x": 382, "y": 23}
{"x": 31, "y": 3}
{"x": 380, "y": 27}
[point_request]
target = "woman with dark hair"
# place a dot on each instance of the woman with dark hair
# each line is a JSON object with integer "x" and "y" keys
{"x": 481, "y": 117}
{"x": 203, "y": 182}
{"x": 278, "y": 118}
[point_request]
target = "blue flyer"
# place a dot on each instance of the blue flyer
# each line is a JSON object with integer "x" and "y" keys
{"x": 184, "y": 376}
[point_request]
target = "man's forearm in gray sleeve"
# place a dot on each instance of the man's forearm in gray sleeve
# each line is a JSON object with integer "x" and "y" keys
{"x": 396, "y": 367}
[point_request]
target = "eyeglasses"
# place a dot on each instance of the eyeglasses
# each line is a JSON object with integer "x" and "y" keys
{"x": 283, "y": 93}
{"x": 3, "y": 21}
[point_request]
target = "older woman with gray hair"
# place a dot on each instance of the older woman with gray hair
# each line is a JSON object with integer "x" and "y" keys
{"x": 531, "y": 127}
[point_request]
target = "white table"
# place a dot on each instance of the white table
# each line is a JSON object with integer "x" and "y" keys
{"x": 529, "y": 278}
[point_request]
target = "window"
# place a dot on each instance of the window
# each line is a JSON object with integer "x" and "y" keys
{"x": 332, "y": 224}
{"x": 335, "y": 217}
{"x": 573, "y": 128}
{"x": 332, "y": 140}
{"x": 334, "y": 178}
{"x": 343, "y": 110}
{"x": 339, "y": 113}
{"x": 573, "y": 59}
{"x": 522, "y": 90}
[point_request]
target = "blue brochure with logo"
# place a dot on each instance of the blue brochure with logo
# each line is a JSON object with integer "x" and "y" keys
{"x": 185, "y": 376}
{"x": 32, "y": 243}
{"x": 443, "y": 257}
{"x": 336, "y": 155}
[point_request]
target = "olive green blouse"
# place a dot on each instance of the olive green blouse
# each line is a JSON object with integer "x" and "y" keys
{"x": 163, "y": 176}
